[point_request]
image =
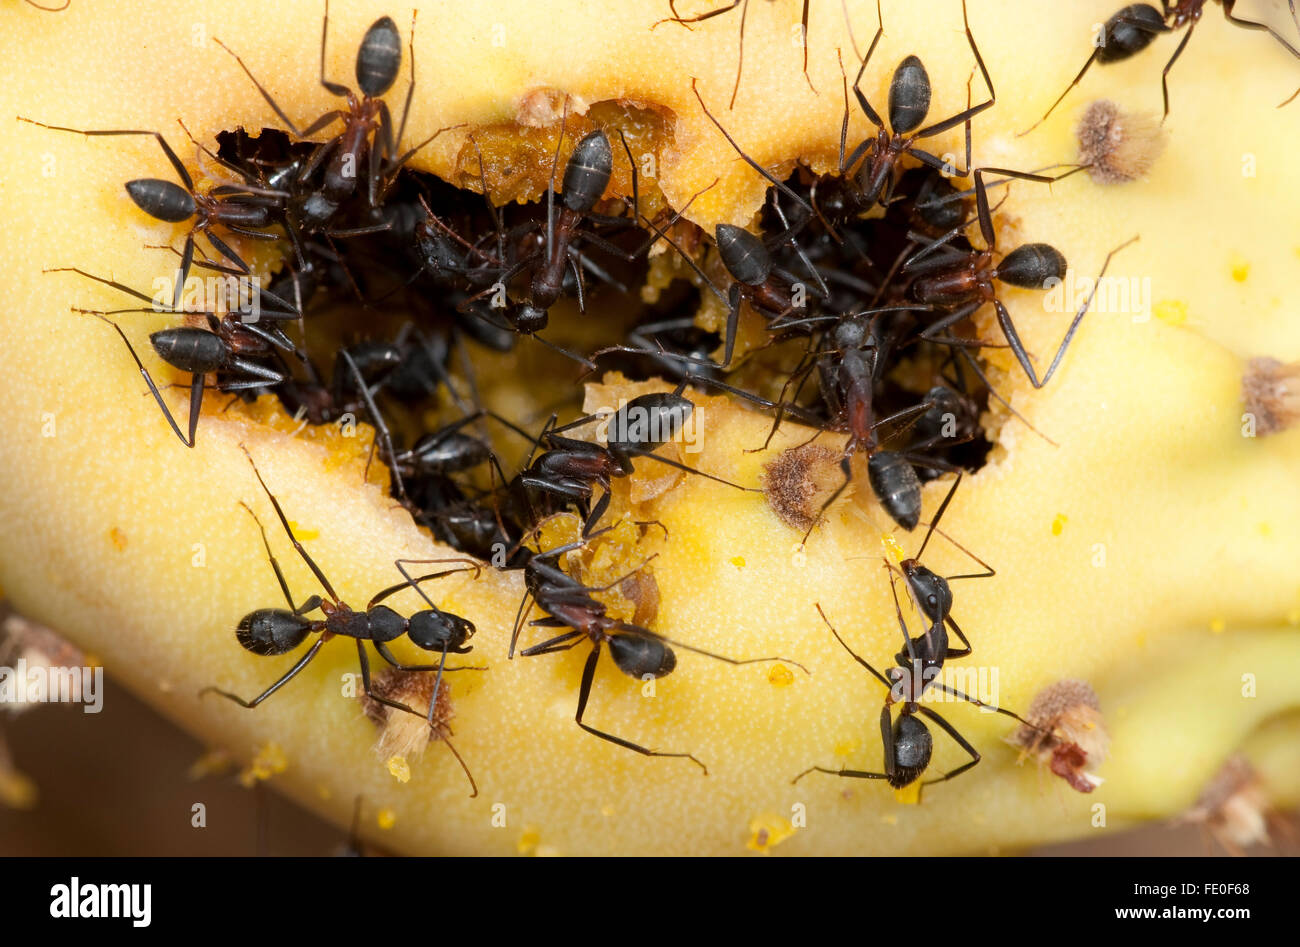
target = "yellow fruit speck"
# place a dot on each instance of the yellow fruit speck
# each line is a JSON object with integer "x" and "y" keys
{"x": 528, "y": 841}
{"x": 1058, "y": 524}
{"x": 892, "y": 545}
{"x": 1217, "y": 626}
{"x": 118, "y": 538}
{"x": 1240, "y": 268}
{"x": 385, "y": 818}
{"x": 780, "y": 676}
{"x": 269, "y": 761}
{"x": 738, "y": 561}
{"x": 301, "y": 533}
{"x": 909, "y": 795}
{"x": 1171, "y": 311}
{"x": 768, "y": 831}
{"x": 400, "y": 769}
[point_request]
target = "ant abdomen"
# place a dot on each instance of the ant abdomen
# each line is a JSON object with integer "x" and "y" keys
{"x": 743, "y": 254}
{"x": 912, "y": 748}
{"x": 162, "y": 200}
{"x": 1130, "y": 31}
{"x": 379, "y": 58}
{"x": 587, "y": 173}
{"x": 895, "y": 483}
{"x": 1032, "y": 266}
{"x": 190, "y": 349}
{"x": 637, "y": 656}
{"x": 909, "y": 96}
{"x": 272, "y": 631}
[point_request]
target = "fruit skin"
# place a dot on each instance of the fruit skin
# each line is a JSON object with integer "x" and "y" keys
{"x": 1199, "y": 525}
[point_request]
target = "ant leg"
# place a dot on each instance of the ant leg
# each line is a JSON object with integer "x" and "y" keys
{"x": 1254, "y": 25}
{"x": 803, "y": 24}
{"x": 391, "y": 658}
{"x": 1164, "y": 75}
{"x": 969, "y": 112}
{"x": 167, "y": 149}
{"x": 157, "y": 396}
{"x": 284, "y": 521}
{"x": 414, "y": 583}
{"x": 275, "y": 106}
{"x": 780, "y": 186}
{"x": 740, "y": 57}
{"x": 1004, "y": 320}
{"x": 364, "y": 659}
{"x": 880, "y": 677}
{"x": 310, "y": 604}
{"x": 961, "y": 741}
{"x": 953, "y": 692}
{"x": 872, "y": 115}
{"x": 851, "y": 773}
{"x": 584, "y": 692}
{"x": 672, "y": 5}
{"x": 332, "y": 87}
{"x": 555, "y": 644}
{"x": 381, "y": 428}
{"x": 290, "y": 675}
{"x": 639, "y": 632}
{"x": 733, "y": 322}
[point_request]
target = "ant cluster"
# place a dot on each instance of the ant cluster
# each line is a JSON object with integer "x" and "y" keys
{"x": 866, "y": 279}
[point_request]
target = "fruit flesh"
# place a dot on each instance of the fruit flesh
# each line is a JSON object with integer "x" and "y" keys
{"x": 1199, "y": 525}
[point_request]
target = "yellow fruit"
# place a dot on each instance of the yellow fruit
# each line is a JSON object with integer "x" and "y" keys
{"x": 1117, "y": 551}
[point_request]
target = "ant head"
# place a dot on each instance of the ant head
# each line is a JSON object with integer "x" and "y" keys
{"x": 637, "y": 656}
{"x": 271, "y": 631}
{"x": 909, "y": 96}
{"x": 530, "y": 319}
{"x": 162, "y": 200}
{"x": 1032, "y": 266}
{"x": 315, "y": 212}
{"x": 385, "y": 624}
{"x": 437, "y": 252}
{"x": 932, "y": 591}
{"x": 379, "y": 58}
{"x": 190, "y": 349}
{"x": 935, "y": 205}
{"x": 438, "y": 631}
{"x": 853, "y": 332}
{"x": 1130, "y": 31}
{"x": 912, "y": 748}
{"x": 743, "y": 254}
{"x": 587, "y": 174}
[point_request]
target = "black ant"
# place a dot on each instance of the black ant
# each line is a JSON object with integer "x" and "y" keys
{"x": 907, "y": 742}
{"x": 240, "y": 208}
{"x": 638, "y": 652}
{"x": 744, "y": 13}
{"x": 1134, "y": 27}
{"x": 963, "y": 281}
{"x": 227, "y": 346}
{"x": 909, "y": 104}
{"x": 571, "y": 469}
{"x": 930, "y": 590}
{"x": 379, "y": 59}
{"x": 274, "y": 631}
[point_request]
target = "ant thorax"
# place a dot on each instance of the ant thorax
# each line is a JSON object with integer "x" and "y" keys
{"x": 907, "y": 686}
